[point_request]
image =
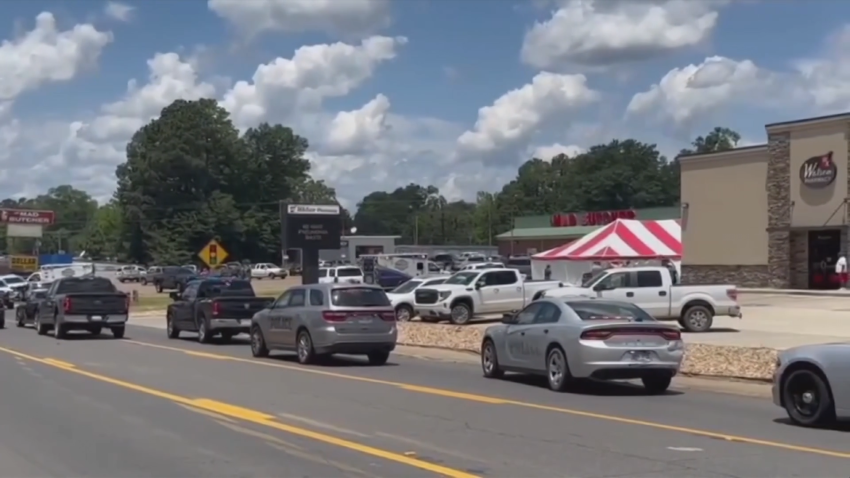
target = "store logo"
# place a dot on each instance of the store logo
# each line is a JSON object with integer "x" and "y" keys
{"x": 818, "y": 171}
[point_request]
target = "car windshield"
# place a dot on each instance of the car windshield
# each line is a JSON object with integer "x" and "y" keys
{"x": 590, "y": 310}
{"x": 406, "y": 287}
{"x": 475, "y": 259}
{"x": 348, "y": 272}
{"x": 519, "y": 262}
{"x": 462, "y": 278}
{"x": 233, "y": 288}
{"x": 359, "y": 297}
{"x": 13, "y": 280}
{"x": 593, "y": 278}
{"x": 85, "y": 285}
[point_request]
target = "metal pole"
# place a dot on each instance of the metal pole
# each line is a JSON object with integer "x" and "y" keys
{"x": 416, "y": 230}
{"x": 490, "y": 221}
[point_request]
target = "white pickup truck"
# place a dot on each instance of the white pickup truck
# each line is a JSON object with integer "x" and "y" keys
{"x": 476, "y": 292}
{"x": 652, "y": 289}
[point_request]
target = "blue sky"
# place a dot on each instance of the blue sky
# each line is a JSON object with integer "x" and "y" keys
{"x": 447, "y": 60}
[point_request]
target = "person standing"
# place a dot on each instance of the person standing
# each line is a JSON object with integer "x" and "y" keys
{"x": 841, "y": 270}
{"x": 547, "y": 273}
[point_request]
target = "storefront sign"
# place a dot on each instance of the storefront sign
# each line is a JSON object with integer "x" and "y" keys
{"x": 26, "y": 216}
{"x": 24, "y": 263}
{"x": 818, "y": 172}
{"x": 599, "y": 218}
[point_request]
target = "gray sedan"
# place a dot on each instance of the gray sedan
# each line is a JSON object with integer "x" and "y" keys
{"x": 323, "y": 319}
{"x": 575, "y": 338}
{"x": 812, "y": 383}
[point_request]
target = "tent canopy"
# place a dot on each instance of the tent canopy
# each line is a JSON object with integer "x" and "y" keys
{"x": 623, "y": 239}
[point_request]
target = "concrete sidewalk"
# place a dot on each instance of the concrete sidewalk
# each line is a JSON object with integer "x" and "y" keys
{"x": 806, "y": 292}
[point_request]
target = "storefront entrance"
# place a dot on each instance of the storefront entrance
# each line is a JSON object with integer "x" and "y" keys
{"x": 824, "y": 247}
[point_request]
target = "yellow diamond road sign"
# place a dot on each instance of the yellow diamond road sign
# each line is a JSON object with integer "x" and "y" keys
{"x": 213, "y": 254}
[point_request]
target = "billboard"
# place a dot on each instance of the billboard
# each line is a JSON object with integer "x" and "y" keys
{"x": 314, "y": 227}
{"x": 27, "y": 216}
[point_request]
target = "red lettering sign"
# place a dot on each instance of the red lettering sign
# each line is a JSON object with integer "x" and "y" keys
{"x": 598, "y": 218}
{"x": 27, "y": 216}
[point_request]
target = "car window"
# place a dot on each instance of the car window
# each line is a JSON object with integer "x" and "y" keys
{"x": 407, "y": 287}
{"x": 526, "y": 315}
{"x": 519, "y": 262}
{"x": 359, "y": 297}
{"x": 505, "y": 277}
{"x": 85, "y": 285}
{"x": 589, "y": 310}
{"x": 649, "y": 279}
{"x": 317, "y": 297}
{"x": 282, "y": 301}
{"x": 348, "y": 272}
{"x": 297, "y": 298}
{"x": 617, "y": 280}
{"x": 547, "y": 314}
{"x": 323, "y": 272}
{"x": 435, "y": 282}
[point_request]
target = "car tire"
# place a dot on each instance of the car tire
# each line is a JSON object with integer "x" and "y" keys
{"x": 807, "y": 398}
{"x": 258, "y": 343}
{"x": 40, "y": 329}
{"x": 656, "y": 385}
{"x": 170, "y": 329}
{"x": 490, "y": 361}
{"x": 118, "y": 332}
{"x": 304, "y": 348}
{"x": 3, "y": 322}
{"x": 378, "y": 358}
{"x": 697, "y": 318}
{"x": 404, "y": 313}
{"x": 59, "y": 331}
{"x": 461, "y": 314}
{"x": 158, "y": 288}
{"x": 203, "y": 331}
{"x": 558, "y": 373}
{"x": 20, "y": 317}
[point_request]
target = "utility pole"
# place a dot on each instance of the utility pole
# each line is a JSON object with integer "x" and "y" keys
{"x": 416, "y": 229}
{"x": 490, "y": 221}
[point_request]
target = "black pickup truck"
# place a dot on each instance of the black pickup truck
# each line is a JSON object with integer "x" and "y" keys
{"x": 82, "y": 303}
{"x": 173, "y": 278}
{"x": 214, "y": 306}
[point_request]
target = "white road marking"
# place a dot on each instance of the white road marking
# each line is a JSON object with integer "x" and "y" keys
{"x": 683, "y": 448}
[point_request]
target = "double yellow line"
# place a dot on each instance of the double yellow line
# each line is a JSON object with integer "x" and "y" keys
{"x": 248, "y": 415}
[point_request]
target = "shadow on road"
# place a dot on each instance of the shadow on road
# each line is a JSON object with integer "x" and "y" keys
{"x": 836, "y": 427}
{"x": 590, "y": 387}
{"x": 716, "y": 330}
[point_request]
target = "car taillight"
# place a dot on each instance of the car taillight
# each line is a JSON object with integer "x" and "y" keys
{"x": 66, "y": 304}
{"x": 216, "y": 308}
{"x": 389, "y": 316}
{"x": 672, "y": 335}
{"x": 596, "y": 335}
{"x": 330, "y": 316}
{"x": 604, "y": 334}
{"x": 732, "y": 294}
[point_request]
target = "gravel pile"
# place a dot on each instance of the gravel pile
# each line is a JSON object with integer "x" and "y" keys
{"x": 700, "y": 359}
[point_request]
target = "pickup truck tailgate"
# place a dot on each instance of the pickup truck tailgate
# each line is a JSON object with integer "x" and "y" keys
{"x": 239, "y": 307}
{"x": 100, "y": 304}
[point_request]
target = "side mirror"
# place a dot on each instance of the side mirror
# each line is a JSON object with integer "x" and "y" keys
{"x": 479, "y": 285}
{"x": 174, "y": 295}
{"x": 601, "y": 287}
{"x": 508, "y": 318}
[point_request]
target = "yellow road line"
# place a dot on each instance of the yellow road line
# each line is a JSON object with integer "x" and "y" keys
{"x": 536, "y": 406}
{"x": 251, "y": 416}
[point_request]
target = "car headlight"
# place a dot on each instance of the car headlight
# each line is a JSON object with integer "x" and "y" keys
{"x": 445, "y": 294}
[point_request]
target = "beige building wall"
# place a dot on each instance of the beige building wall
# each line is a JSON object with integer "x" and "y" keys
{"x": 813, "y": 207}
{"x": 725, "y": 216}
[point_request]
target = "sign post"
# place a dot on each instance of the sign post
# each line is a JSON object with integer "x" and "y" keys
{"x": 213, "y": 254}
{"x": 311, "y": 228}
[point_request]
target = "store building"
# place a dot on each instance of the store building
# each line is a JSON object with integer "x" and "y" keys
{"x": 773, "y": 215}
{"x": 352, "y": 247}
{"x": 533, "y": 234}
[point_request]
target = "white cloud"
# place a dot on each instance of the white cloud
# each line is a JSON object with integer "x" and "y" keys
{"x": 588, "y": 33}
{"x": 119, "y": 11}
{"x": 337, "y": 17}
{"x": 351, "y": 132}
{"x": 45, "y": 55}
{"x": 546, "y": 153}
{"x": 511, "y": 121}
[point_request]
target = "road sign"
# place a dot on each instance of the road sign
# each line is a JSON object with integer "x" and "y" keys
{"x": 24, "y": 263}
{"x": 213, "y": 254}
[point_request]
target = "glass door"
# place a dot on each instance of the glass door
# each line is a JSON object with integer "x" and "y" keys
{"x": 824, "y": 247}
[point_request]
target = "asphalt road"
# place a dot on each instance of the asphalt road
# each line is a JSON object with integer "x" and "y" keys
{"x": 149, "y": 406}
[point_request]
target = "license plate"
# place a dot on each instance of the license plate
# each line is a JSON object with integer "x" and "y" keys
{"x": 640, "y": 356}
{"x": 96, "y": 317}
{"x": 365, "y": 320}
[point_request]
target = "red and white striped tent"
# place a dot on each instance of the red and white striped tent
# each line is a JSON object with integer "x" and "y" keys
{"x": 623, "y": 239}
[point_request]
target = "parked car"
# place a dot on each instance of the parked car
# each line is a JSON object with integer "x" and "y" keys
{"x": 130, "y": 274}
{"x": 389, "y": 278}
{"x": 12, "y": 288}
{"x": 213, "y": 307}
{"x": 483, "y": 265}
{"x": 652, "y": 288}
{"x": 520, "y": 263}
{"x": 476, "y": 292}
{"x": 566, "y": 339}
{"x": 351, "y": 274}
{"x": 267, "y": 270}
{"x": 148, "y": 276}
{"x": 172, "y": 277}
{"x": 25, "y": 312}
{"x": 191, "y": 267}
{"x": 322, "y": 319}
{"x": 402, "y": 297}
{"x": 82, "y": 303}
{"x": 811, "y": 383}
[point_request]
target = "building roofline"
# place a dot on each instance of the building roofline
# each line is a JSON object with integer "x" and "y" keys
{"x": 723, "y": 154}
{"x": 817, "y": 120}
{"x": 371, "y": 237}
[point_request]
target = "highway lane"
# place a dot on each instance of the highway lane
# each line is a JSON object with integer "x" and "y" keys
{"x": 447, "y": 414}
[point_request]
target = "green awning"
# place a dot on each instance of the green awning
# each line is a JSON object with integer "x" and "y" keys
{"x": 547, "y": 233}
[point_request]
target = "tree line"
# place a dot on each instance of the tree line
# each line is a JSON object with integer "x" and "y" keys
{"x": 191, "y": 176}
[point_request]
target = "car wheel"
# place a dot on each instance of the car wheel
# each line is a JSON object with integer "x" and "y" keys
{"x": 59, "y": 331}
{"x": 173, "y": 332}
{"x": 697, "y": 319}
{"x": 490, "y": 361}
{"x": 20, "y": 317}
{"x": 258, "y": 343}
{"x": 96, "y": 330}
{"x": 403, "y": 313}
{"x": 144, "y": 282}
{"x": 807, "y": 399}
{"x": 40, "y": 329}
{"x": 304, "y": 348}
{"x": 3, "y": 322}
{"x": 118, "y": 332}
{"x": 203, "y": 331}
{"x": 557, "y": 370}
{"x": 158, "y": 288}
{"x": 656, "y": 384}
{"x": 378, "y": 358}
{"x": 461, "y": 314}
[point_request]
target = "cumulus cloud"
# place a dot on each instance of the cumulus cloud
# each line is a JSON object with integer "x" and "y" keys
{"x": 119, "y": 11}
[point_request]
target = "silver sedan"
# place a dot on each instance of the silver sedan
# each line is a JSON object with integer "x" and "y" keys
{"x": 576, "y": 338}
{"x": 812, "y": 383}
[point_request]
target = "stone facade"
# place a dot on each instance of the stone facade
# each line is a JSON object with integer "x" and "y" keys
{"x": 799, "y": 259}
{"x": 741, "y": 276}
{"x": 779, "y": 209}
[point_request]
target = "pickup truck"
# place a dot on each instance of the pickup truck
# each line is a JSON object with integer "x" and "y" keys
{"x": 652, "y": 289}
{"x": 130, "y": 274}
{"x": 82, "y": 303}
{"x": 476, "y": 292}
{"x": 172, "y": 277}
{"x": 210, "y": 307}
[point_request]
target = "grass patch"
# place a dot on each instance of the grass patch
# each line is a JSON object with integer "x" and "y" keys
{"x": 151, "y": 302}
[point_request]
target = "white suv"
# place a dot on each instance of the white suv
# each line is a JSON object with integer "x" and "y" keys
{"x": 267, "y": 271}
